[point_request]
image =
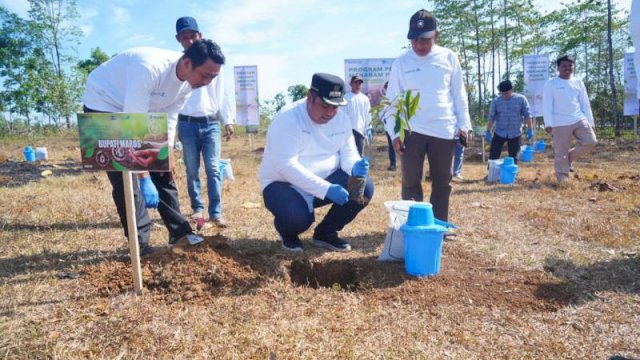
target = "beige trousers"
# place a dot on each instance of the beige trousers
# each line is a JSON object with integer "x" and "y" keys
{"x": 564, "y": 154}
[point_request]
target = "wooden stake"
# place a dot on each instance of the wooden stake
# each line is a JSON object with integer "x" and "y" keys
{"x": 134, "y": 248}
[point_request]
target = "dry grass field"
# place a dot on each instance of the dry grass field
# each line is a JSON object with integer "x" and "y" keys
{"x": 536, "y": 272}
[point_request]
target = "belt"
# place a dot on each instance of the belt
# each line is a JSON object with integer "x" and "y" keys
{"x": 197, "y": 119}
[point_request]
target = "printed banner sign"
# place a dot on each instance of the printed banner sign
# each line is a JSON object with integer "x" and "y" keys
{"x": 536, "y": 74}
{"x": 121, "y": 141}
{"x": 246, "y": 85}
{"x": 630, "y": 86}
{"x": 374, "y": 72}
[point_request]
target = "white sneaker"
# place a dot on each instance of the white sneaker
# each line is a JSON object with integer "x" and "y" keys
{"x": 197, "y": 215}
{"x": 457, "y": 178}
{"x": 194, "y": 239}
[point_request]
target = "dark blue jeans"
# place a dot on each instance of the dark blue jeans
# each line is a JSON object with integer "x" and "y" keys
{"x": 202, "y": 138}
{"x": 291, "y": 211}
{"x": 392, "y": 151}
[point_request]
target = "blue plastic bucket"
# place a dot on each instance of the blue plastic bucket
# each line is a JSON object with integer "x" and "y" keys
{"x": 29, "y": 155}
{"x": 422, "y": 241}
{"x": 526, "y": 155}
{"x": 508, "y": 171}
{"x": 539, "y": 146}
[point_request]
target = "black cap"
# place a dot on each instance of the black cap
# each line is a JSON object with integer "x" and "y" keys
{"x": 356, "y": 77}
{"x": 505, "y": 86}
{"x": 186, "y": 23}
{"x": 422, "y": 24}
{"x": 330, "y": 88}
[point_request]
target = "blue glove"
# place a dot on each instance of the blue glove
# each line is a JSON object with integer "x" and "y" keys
{"x": 337, "y": 194}
{"x": 370, "y": 135}
{"x": 149, "y": 192}
{"x": 360, "y": 168}
{"x": 487, "y": 136}
{"x": 529, "y": 134}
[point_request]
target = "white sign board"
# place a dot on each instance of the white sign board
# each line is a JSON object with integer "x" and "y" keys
{"x": 246, "y": 86}
{"x": 630, "y": 86}
{"x": 374, "y": 72}
{"x": 536, "y": 74}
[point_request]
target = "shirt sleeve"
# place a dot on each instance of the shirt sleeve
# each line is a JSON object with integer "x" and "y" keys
{"x": 547, "y": 104}
{"x": 492, "y": 111}
{"x": 459, "y": 96}
{"x": 585, "y": 104}
{"x": 227, "y": 111}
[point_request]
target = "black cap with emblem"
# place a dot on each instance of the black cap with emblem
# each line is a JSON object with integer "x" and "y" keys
{"x": 330, "y": 88}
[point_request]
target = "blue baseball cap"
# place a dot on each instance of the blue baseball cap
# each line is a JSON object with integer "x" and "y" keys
{"x": 186, "y": 23}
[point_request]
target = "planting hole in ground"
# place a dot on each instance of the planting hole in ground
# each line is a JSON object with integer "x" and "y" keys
{"x": 335, "y": 275}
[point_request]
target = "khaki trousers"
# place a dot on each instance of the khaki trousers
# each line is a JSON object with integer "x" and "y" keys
{"x": 564, "y": 154}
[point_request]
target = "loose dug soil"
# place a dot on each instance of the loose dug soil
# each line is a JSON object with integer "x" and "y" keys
{"x": 213, "y": 268}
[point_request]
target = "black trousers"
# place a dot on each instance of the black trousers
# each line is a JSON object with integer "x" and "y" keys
{"x": 513, "y": 146}
{"x": 169, "y": 207}
{"x": 439, "y": 153}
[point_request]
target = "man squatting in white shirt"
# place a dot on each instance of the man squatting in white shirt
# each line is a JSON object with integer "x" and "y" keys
{"x": 143, "y": 80}
{"x": 567, "y": 113}
{"x": 357, "y": 108}
{"x": 443, "y": 113}
{"x": 308, "y": 157}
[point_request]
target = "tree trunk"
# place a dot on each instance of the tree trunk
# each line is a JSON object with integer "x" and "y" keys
{"x": 506, "y": 42}
{"x": 614, "y": 97}
{"x": 477, "y": 26}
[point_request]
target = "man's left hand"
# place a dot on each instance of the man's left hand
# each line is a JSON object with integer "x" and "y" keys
{"x": 370, "y": 135}
{"x": 228, "y": 132}
{"x": 466, "y": 133}
{"x": 360, "y": 168}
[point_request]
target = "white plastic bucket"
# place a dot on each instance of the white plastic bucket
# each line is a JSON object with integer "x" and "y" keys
{"x": 42, "y": 154}
{"x": 494, "y": 170}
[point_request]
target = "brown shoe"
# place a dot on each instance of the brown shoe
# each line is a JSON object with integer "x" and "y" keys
{"x": 220, "y": 223}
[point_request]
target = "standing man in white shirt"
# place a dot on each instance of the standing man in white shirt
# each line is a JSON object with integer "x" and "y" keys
{"x": 567, "y": 114}
{"x": 357, "y": 108}
{"x": 443, "y": 112}
{"x": 143, "y": 80}
{"x": 308, "y": 158}
{"x": 199, "y": 126}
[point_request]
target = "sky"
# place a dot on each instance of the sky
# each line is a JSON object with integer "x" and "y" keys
{"x": 288, "y": 40}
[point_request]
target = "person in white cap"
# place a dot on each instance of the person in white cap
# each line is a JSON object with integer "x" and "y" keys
{"x": 567, "y": 114}
{"x": 199, "y": 127}
{"x": 308, "y": 157}
{"x": 357, "y": 108}
{"x": 443, "y": 113}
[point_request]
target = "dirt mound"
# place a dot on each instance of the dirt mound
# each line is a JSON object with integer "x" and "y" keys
{"x": 213, "y": 268}
{"x": 181, "y": 273}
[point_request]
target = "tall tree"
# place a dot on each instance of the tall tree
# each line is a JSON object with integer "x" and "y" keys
{"x": 612, "y": 83}
{"x": 97, "y": 57}
{"x": 53, "y": 27}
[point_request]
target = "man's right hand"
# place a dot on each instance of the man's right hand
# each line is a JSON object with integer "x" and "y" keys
{"x": 337, "y": 194}
{"x": 487, "y": 136}
{"x": 398, "y": 146}
{"x": 149, "y": 192}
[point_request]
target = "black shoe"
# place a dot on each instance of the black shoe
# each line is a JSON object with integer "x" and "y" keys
{"x": 331, "y": 242}
{"x": 391, "y": 168}
{"x": 146, "y": 249}
{"x": 292, "y": 244}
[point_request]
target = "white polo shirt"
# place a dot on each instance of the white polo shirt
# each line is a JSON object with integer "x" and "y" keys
{"x": 303, "y": 153}
{"x": 139, "y": 80}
